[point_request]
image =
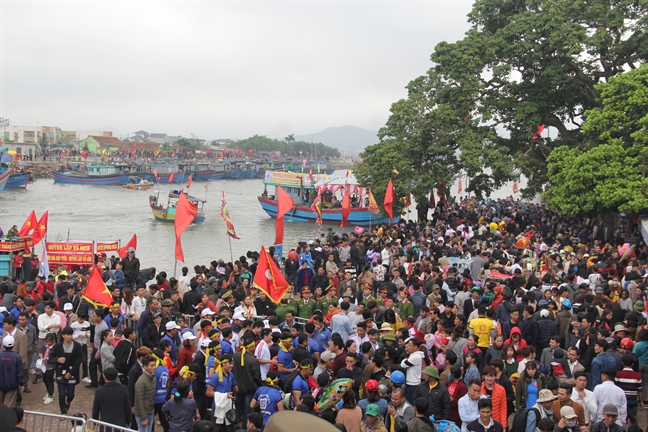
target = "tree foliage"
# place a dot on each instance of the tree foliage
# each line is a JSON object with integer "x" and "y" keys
{"x": 522, "y": 64}
{"x": 610, "y": 172}
{"x": 259, "y": 143}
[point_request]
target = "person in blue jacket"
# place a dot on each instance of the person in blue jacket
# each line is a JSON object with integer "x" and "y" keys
{"x": 268, "y": 397}
{"x": 12, "y": 377}
{"x": 161, "y": 380}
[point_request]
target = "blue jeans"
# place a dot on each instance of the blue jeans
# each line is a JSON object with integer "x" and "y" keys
{"x": 148, "y": 427}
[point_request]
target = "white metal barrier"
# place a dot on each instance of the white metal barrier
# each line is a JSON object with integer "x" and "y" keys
{"x": 44, "y": 422}
{"x": 99, "y": 426}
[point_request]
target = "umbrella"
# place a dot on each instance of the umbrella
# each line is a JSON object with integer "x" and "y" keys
{"x": 334, "y": 393}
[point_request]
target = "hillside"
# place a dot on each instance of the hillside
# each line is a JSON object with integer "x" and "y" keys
{"x": 346, "y": 138}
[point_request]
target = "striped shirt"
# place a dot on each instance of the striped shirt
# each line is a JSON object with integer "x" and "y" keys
{"x": 630, "y": 382}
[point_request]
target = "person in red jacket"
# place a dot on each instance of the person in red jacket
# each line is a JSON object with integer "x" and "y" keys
{"x": 496, "y": 393}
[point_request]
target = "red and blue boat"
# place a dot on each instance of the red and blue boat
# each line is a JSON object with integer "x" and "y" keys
{"x": 302, "y": 190}
{"x": 164, "y": 172}
{"x": 101, "y": 175}
{"x": 198, "y": 171}
{"x": 18, "y": 180}
{"x": 4, "y": 177}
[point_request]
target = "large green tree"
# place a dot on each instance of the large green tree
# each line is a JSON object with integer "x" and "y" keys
{"x": 609, "y": 172}
{"x": 521, "y": 65}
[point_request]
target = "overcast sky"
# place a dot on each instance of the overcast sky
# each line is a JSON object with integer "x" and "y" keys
{"x": 216, "y": 69}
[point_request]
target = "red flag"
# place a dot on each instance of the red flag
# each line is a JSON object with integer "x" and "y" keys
{"x": 132, "y": 243}
{"x": 459, "y": 186}
{"x": 207, "y": 187}
{"x": 171, "y": 177}
{"x": 189, "y": 181}
{"x": 96, "y": 291}
{"x": 29, "y": 224}
{"x": 268, "y": 278}
{"x": 40, "y": 229}
{"x": 390, "y": 197}
{"x": 541, "y": 128}
{"x": 186, "y": 212}
{"x": 346, "y": 206}
{"x": 284, "y": 204}
{"x": 155, "y": 172}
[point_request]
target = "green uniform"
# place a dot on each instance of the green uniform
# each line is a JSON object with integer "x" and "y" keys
{"x": 323, "y": 304}
{"x": 406, "y": 308}
{"x": 282, "y": 309}
{"x": 379, "y": 301}
{"x": 305, "y": 310}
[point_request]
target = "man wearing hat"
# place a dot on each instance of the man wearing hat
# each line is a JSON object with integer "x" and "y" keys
{"x": 610, "y": 420}
{"x": 542, "y": 409}
{"x": 435, "y": 393}
{"x": 131, "y": 268}
{"x": 609, "y": 393}
{"x": 324, "y": 302}
{"x": 567, "y": 420}
{"x": 373, "y": 420}
{"x": 172, "y": 328}
{"x": 306, "y": 306}
{"x": 12, "y": 374}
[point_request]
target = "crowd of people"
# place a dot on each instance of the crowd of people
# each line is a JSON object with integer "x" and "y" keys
{"x": 488, "y": 317}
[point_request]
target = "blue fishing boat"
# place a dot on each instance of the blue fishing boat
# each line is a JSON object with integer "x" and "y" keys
{"x": 303, "y": 192}
{"x": 18, "y": 180}
{"x": 101, "y": 175}
{"x": 198, "y": 171}
{"x": 4, "y": 176}
{"x": 167, "y": 172}
{"x": 167, "y": 213}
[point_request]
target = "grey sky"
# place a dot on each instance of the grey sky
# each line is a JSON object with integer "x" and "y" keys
{"x": 216, "y": 69}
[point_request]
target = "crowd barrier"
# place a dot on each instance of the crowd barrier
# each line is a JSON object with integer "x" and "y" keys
{"x": 44, "y": 422}
{"x": 99, "y": 426}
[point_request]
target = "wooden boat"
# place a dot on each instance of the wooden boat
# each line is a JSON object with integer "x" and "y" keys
{"x": 168, "y": 173}
{"x": 18, "y": 180}
{"x": 198, "y": 171}
{"x": 137, "y": 183}
{"x": 4, "y": 177}
{"x": 95, "y": 174}
{"x": 303, "y": 192}
{"x": 167, "y": 213}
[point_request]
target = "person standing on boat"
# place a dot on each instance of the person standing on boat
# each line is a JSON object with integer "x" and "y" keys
{"x": 131, "y": 268}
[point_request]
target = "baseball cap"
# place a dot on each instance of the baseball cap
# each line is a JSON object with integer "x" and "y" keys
{"x": 68, "y": 306}
{"x": 567, "y": 412}
{"x": 372, "y": 409}
{"x": 206, "y": 312}
{"x": 9, "y": 341}
{"x": 610, "y": 409}
{"x": 371, "y": 385}
{"x": 544, "y": 313}
{"x": 327, "y": 355}
{"x": 205, "y": 343}
{"x": 172, "y": 325}
{"x": 188, "y": 336}
{"x": 131, "y": 249}
{"x": 238, "y": 316}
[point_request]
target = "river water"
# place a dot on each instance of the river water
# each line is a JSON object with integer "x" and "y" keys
{"x": 109, "y": 213}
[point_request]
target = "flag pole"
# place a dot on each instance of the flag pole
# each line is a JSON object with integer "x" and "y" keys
{"x": 229, "y": 238}
{"x": 175, "y": 268}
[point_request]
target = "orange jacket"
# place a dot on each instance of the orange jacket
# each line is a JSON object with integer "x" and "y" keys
{"x": 499, "y": 403}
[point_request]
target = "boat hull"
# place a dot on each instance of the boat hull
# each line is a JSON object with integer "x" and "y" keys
{"x": 4, "y": 177}
{"x": 331, "y": 216}
{"x": 202, "y": 174}
{"x": 18, "y": 180}
{"x": 69, "y": 178}
{"x": 178, "y": 177}
{"x": 168, "y": 215}
{"x": 137, "y": 186}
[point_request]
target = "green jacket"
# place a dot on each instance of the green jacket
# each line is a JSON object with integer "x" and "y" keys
{"x": 282, "y": 309}
{"x": 406, "y": 309}
{"x": 305, "y": 310}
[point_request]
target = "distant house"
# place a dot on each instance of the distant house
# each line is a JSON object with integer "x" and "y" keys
{"x": 96, "y": 144}
{"x": 160, "y": 138}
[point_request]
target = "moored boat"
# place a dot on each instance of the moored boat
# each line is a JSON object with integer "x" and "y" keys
{"x": 302, "y": 190}
{"x": 18, "y": 180}
{"x": 167, "y": 213}
{"x": 198, "y": 171}
{"x": 167, "y": 173}
{"x": 4, "y": 177}
{"x": 95, "y": 174}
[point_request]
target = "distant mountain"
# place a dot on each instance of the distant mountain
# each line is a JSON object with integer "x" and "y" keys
{"x": 345, "y": 138}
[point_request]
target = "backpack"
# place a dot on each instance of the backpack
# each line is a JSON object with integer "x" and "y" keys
{"x": 520, "y": 419}
{"x": 288, "y": 382}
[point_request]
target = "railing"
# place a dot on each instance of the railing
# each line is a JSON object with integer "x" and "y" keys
{"x": 99, "y": 426}
{"x": 44, "y": 422}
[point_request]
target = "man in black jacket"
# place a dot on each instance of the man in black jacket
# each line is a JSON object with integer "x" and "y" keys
{"x": 131, "y": 268}
{"x": 199, "y": 386}
{"x": 248, "y": 377}
{"x": 68, "y": 359}
{"x": 111, "y": 402}
{"x": 435, "y": 393}
{"x": 125, "y": 356}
